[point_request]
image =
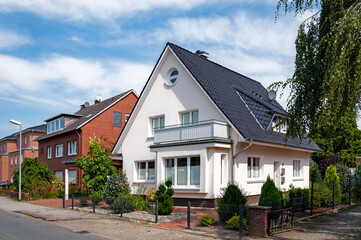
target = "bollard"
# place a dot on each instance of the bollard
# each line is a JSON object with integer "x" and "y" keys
{"x": 333, "y": 195}
{"x": 156, "y": 211}
{"x": 94, "y": 204}
{"x": 72, "y": 201}
{"x": 121, "y": 207}
{"x": 64, "y": 200}
{"x": 311, "y": 210}
{"x": 189, "y": 215}
{"x": 240, "y": 220}
{"x": 349, "y": 190}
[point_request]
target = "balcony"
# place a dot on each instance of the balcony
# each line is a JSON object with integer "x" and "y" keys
{"x": 212, "y": 129}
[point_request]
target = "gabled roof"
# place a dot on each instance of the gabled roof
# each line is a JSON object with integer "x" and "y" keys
{"x": 87, "y": 114}
{"x": 38, "y": 128}
{"x": 242, "y": 100}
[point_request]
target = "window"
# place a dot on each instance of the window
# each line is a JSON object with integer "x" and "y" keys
{"x": 117, "y": 119}
{"x": 49, "y": 152}
{"x": 279, "y": 124}
{"x": 223, "y": 168}
{"x": 4, "y": 147}
{"x": 1, "y": 147}
{"x": 59, "y": 175}
{"x": 72, "y": 148}
{"x": 127, "y": 117}
{"x": 16, "y": 160}
{"x": 157, "y": 123}
{"x": 253, "y": 167}
{"x": 72, "y": 176}
{"x": 183, "y": 171}
{"x": 55, "y": 125}
{"x": 190, "y": 117}
{"x": 172, "y": 77}
{"x": 59, "y": 150}
{"x": 145, "y": 170}
{"x": 12, "y": 160}
{"x": 25, "y": 140}
{"x": 296, "y": 168}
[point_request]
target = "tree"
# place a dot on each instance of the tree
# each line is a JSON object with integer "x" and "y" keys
{"x": 32, "y": 172}
{"x": 97, "y": 166}
{"x": 326, "y": 83}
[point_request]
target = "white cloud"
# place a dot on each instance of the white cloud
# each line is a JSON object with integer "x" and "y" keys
{"x": 9, "y": 39}
{"x": 85, "y": 10}
{"x": 55, "y": 80}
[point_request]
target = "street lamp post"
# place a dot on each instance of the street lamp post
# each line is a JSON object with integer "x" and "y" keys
{"x": 19, "y": 124}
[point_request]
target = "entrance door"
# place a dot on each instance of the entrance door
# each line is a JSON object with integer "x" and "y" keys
{"x": 277, "y": 174}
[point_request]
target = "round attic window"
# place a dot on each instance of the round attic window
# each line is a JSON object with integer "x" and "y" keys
{"x": 172, "y": 77}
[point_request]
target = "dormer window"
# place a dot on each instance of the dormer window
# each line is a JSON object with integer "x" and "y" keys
{"x": 279, "y": 124}
{"x": 55, "y": 125}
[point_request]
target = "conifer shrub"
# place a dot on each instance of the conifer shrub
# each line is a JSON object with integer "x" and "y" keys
{"x": 357, "y": 185}
{"x": 270, "y": 195}
{"x": 164, "y": 196}
{"x": 330, "y": 178}
{"x": 231, "y": 198}
{"x": 315, "y": 175}
{"x": 206, "y": 220}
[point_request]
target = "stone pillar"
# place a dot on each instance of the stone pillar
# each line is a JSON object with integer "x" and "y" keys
{"x": 66, "y": 184}
{"x": 258, "y": 221}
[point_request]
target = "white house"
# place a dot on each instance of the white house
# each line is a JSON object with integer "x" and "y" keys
{"x": 203, "y": 125}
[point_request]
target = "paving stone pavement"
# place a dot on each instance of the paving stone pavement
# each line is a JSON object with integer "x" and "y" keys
{"x": 345, "y": 224}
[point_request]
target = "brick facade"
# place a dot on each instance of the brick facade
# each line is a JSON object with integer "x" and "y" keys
{"x": 358, "y": 160}
{"x": 100, "y": 126}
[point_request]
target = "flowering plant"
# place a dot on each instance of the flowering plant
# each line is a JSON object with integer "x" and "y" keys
{"x": 116, "y": 185}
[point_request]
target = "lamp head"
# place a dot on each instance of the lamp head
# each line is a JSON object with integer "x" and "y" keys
{"x": 15, "y": 122}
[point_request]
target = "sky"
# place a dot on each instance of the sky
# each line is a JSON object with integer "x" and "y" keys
{"x": 56, "y": 55}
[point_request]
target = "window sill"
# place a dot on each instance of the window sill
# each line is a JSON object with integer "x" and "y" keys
{"x": 255, "y": 180}
{"x": 144, "y": 181}
{"x": 295, "y": 179}
{"x": 73, "y": 154}
{"x": 186, "y": 189}
{"x": 59, "y": 156}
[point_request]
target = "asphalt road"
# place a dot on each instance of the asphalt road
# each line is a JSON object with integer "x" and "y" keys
{"x": 16, "y": 227}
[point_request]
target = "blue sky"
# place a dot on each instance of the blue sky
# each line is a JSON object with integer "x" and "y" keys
{"x": 55, "y": 55}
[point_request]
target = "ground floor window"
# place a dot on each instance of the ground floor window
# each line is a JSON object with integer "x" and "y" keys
{"x": 253, "y": 167}
{"x": 59, "y": 175}
{"x": 145, "y": 170}
{"x": 72, "y": 176}
{"x": 184, "y": 171}
{"x": 296, "y": 168}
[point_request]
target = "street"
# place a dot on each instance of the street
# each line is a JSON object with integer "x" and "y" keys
{"x": 16, "y": 227}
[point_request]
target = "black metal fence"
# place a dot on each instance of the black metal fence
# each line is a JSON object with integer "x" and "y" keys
{"x": 280, "y": 220}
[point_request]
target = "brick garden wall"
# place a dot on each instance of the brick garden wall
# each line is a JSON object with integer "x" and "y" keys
{"x": 14, "y": 194}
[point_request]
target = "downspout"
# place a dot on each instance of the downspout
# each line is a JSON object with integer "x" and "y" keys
{"x": 80, "y": 151}
{"x": 234, "y": 157}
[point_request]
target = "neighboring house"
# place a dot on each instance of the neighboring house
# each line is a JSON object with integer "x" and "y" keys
{"x": 68, "y": 135}
{"x": 9, "y": 150}
{"x": 203, "y": 125}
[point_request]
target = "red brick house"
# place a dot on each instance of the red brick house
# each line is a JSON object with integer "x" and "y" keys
{"x": 9, "y": 150}
{"x": 67, "y": 135}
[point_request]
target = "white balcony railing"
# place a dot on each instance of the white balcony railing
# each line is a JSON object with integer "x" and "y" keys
{"x": 203, "y": 130}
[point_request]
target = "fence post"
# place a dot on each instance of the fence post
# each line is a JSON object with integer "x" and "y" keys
{"x": 72, "y": 201}
{"x": 121, "y": 207}
{"x": 349, "y": 190}
{"x": 29, "y": 196}
{"x": 94, "y": 204}
{"x": 189, "y": 215}
{"x": 156, "y": 211}
{"x": 240, "y": 220}
{"x": 311, "y": 198}
{"x": 64, "y": 200}
{"x": 333, "y": 195}
{"x": 282, "y": 207}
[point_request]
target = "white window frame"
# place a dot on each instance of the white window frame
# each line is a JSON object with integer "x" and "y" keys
{"x": 259, "y": 168}
{"x": 57, "y": 154}
{"x": 175, "y": 183}
{"x": 16, "y": 160}
{"x": 76, "y": 175}
{"x": 25, "y": 140}
{"x": 224, "y": 169}
{"x": 61, "y": 178}
{"x": 159, "y": 126}
{"x": 280, "y": 128}
{"x": 300, "y": 172}
{"x": 147, "y": 179}
{"x": 49, "y": 152}
{"x": 74, "y": 146}
{"x": 191, "y": 120}
{"x": 51, "y": 126}
{"x": 12, "y": 160}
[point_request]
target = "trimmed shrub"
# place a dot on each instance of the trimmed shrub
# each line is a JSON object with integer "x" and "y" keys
{"x": 233, "y": 222}
{"x": 164, "y": 196}
{"x": 228, "y": 205}
{"x": 315, "y": 175}
{"x": 298, "y": 199}
{"x": 98, "y": 198}
{"x": 270, "y": 195}
{"x": 83, "y": 202}
{"x": 330, "y": 178}
{"x": 206, "y": 220}
{"x": 129, "y": 203}
{"x": 322, "y": 195}
{"x": 116, "y": 185}
{"x": 344, "y": 173}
